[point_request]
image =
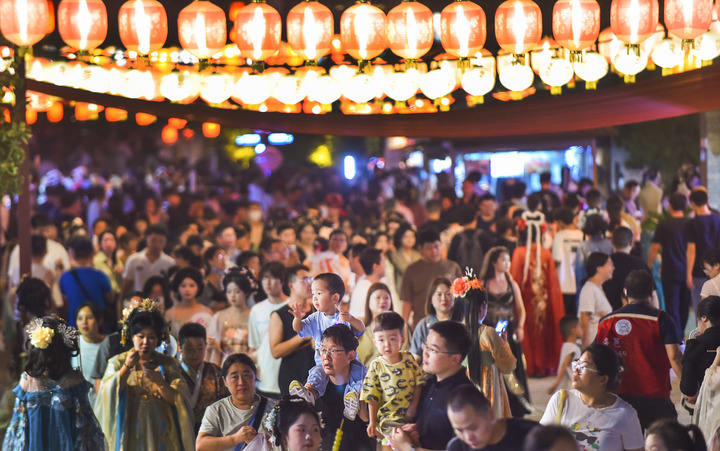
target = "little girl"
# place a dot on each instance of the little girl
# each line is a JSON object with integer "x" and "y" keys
{"x": 228, "y": 331}
{"x": 187, "y": 285}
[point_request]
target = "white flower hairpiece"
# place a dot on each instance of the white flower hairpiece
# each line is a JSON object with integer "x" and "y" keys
{"x": 40, "y": 336}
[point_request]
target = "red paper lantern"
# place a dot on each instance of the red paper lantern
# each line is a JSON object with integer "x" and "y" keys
{"x": 143, "y": 26}
{"x": 211, "y": 130}
{"x": 177, "y": 123}
{"x": 24, "y": 22}
{"x": 362, "y": 31}
{"x": 463, "y": 28}
{"x": 258, "y": 29}
{"x": 55, "y": 113}
{"x": 633, "y": 21}
{"x": 310, "y": 28}
{"x": 576, "y": 24}
{"x": 688, "y": 19}
{"x": 518, "y": 26}
{"x": 144, "y": 118}
{"x": 115, "y": 114}
{"x": 169, "y": 134}
{"x": 410, "y": 30}
{"x": 201, "y": 29}
{"x": 82, "y": 24}
{"x": 30, "y": 116}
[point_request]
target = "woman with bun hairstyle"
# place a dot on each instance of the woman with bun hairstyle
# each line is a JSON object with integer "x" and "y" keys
{"x": 143, "y": 401}
{"x": 598, "y": 418}
{"x": 52, "y": 411}
{"x": 668, "y": 434}
{"x": 295, "y": 425}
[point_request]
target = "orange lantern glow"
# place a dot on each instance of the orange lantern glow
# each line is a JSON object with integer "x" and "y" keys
{"x": 144, "y": 119}
{"x": 82, "y": 112}
{"x": 115, "y": 114}
{"x": 258, "y": 29}
{"x": 30, "y": 116}
{"x": 82, "y": 24}
{"x": 310, "y": 28}
{"x": 143, "y": 26}
{"x": 55, "y": 113}
{"x": 177, "y": 123}
{"x": 235, "y": 7}
{"x": 410, "y": 29}
{"x": 576, "y": 25}
{"x": 201, "y": 29}
{"x": 169, "y": 134}
{"x": 210, "y": 130}
{"x": 24, "y": 22}
{"x": 463, "y": 28}
{"x": 633, "y": 21}
{"x": 518, "y": 26}
{"x": 51, "y": 17}
{"x": 362, "y": 31}
{"x": 688, "y": 19}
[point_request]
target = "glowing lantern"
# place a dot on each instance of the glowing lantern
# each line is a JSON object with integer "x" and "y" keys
{"x": 556, "y": 73}
{"x": 55, "y": 113}
{"x": 514, "y": 75}
{"x": 592, "y": 68}
{"x": 138, "y": 84}
{"x": 463, "y": 28}
{"x": 518, "y": 26}
{"x": 180, "y": 86}
{"x": 144, "y": 119}
{"x": 24, "y": 22}
{"x": 38, "y": 101}
{"x": 707, "y": 46}
{"x": 252, "y": 89}
{"x": 410, "y": 29}
{"x": 667, "y": 53}
{"x": 401, "y": 86}
{"x": 310, "y": 30}
{"x": 688, "y": 19}
{"x": 30, "y": 116}
{"x": 362, "y": 31}
{"x": 257, "y": 31}
{"x": 324, "y": 89}
{"x": 143, "y": 26}
{"x": 216, "y": 88}
{"x": 361, "y": 88}
{"x": 201, "y": 29}
{"x": 543, "y": 53}
{"x": 608, "y": 44}
{"x": 633, "y": 21}
{"x": 576, "y": 25}
{"x": 82, "y": 24}
{"x": 169, "y": 134}
{"x": 437, "y": 83}
{"x": 630, "y": 63}
{"x": 289, "y": 90}
{"x": 115, "y": 114}
{"x": 210, "y": 130}
{"x": 177, "y": 123}
{"x": 82, "y": 112}
{"x": 478, "y": 81}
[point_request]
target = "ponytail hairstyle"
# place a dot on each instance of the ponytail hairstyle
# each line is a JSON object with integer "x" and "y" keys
{"x": 676, "y": 436}
{"x": 608, "y": 363}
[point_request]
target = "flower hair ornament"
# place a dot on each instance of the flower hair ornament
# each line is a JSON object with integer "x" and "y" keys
{"x": 146, "y": 305}
{"x": 41, "y": 336}
{"x": 271, "y": 419}
{"x": 462, "y": 285}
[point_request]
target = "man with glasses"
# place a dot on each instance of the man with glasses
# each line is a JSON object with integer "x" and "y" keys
{"x": 648, "y": 341}
{"x": 337, "y": 353}
{"x": 446, "y": 346}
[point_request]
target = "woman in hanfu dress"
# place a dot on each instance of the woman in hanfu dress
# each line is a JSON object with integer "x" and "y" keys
{"x": 144, "y": 402}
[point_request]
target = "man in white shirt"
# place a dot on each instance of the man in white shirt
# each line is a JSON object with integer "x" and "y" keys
{"x": 373, "y": 265}
{"x": 151, "y": 261}
{"x": 271, "y": 275}
{"x": 564, "y": 250}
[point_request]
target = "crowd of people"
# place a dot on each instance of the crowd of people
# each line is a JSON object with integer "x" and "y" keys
{"x": 371, "y": 320}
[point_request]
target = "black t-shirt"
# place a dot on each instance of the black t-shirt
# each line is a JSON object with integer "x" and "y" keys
{"x": 670, "y": 234}
{"x": 297, "y": 365}
{"x": 624, "y": 264}
{"x": 698, "y": 356}
{"x": 432, "y": 421}
{"x": 355, "y": 436}
{"x": 517, "y": 430}
{"x": 704, "y": 231}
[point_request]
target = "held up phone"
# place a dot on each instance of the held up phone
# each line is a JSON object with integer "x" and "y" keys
{"x": 501, "y": 326}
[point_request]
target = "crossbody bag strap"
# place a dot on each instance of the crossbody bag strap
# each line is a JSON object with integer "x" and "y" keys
{"x": 82, "y": 288}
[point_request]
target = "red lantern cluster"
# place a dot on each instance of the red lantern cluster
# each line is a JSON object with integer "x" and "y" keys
{"x": 82, "y": 24}
{"x": 463, "y": 28}
{"x": 576, "y": 23}
{"x": 310, "y": 30}
{"x": 410, "y": 30}
{"x": 24, "y": 22}
{"x": 518, "y": 26}
{"x": 688, "y": 19}
{"x": 143, "y": 26}
{"x": 201, "y": 29}
{"x": 257, "y": 31}
{"x": 633, "y": 21}
{"x": 362, "y": 31}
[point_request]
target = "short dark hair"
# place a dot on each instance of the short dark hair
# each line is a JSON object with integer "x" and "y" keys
{"x": 156, "y": 229}
{"x": 40, "y": 220}
{"x": 38, "y": 246}
{"x": 34, "y": 295}
{"x": 388, "y": 321}
{"x": 369, "y": 258}
{"x": 195, "y": 240}
{"x": 53, "y": 360}
{"x": 545, "y": 177}
{"x": 466, "y": 214}
{"x": 187, "y": 273}
{"x": 276, "y": 270}
{"x": 456, "y": 336}
{"x": 267, "y": 243}
{"x": 341, "y": 335}
{"x": 678, "y": 201}
{"x": 398, "y": 235}
{"x": 712, "y": 256}
{"x": 220, "y": 228}
{"x": 185, "y": 253}
{"x": 242, "y": 359}
{"x": 468, "y": 395}
{"x": 433, "y": 206}
{"x": 564, "y": 215}
{"x": 608, "y": 363}
{"x": 95, "y": 309}
{"x": 146, "y": 319}
{"x": 594, "y": 261}
{"x": 710, "y": 308}
{"x": 593, "y": 196}
{"x": 357, "y": 249}
{"x": 284, "y": 225}
{"x": 639, "y": 284}
{"x": 567, "y": 324}
{"x": 427, "y": 236}
{"x": 699, "y": 196}
{"x": 337, "y": 232}
{"x": 191, "y": 330}
{"x": 631, "y": 184}
{"x": 333, "y": 283}
{"x": 244, "y": 258}
{"x": 622, "y": 237}
{"x": 502, "y": 225}
{"x": 291, "y": 275}
{"x": 487, "y": 196}
{"x": 82, "y": 248}
{"x": 545, "y": 437}
{"x": 678, "y": 436}
{"x": 595, "y": 225}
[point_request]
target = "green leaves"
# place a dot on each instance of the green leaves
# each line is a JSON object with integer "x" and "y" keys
{"x": 14, "y": 134}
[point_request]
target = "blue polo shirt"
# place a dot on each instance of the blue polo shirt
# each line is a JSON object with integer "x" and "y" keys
{"x": 96, "y": 284}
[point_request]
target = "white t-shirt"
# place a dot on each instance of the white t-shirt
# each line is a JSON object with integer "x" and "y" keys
{"x": 593, "y": 300}
{"x": 139, "y": 268}
{"x": 359, "y": 297}
{"x": 612, "y": 428}
{"x": 564, "y": 249}
{"x": 567, "y": 348}
{"x": 222, "y": 418}
{"x": 259, "y": 339}
{"x": 55, "y": 252}
{"x": 711, "y": 287}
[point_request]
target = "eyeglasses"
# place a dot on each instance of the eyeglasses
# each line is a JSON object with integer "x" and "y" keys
{"x": 430, "y": 350}
{"x": 332, "y": 353}
{"x": 581, "y": 367}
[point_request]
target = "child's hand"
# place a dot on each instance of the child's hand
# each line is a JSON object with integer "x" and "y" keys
{"x": 371, "y": 428}
{"x": 345, "y": 317}
{"x": 410, "y": 413}
{"x": 297, "y": 311}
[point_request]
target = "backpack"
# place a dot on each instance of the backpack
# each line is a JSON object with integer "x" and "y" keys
{"x": 470, "y": 252}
